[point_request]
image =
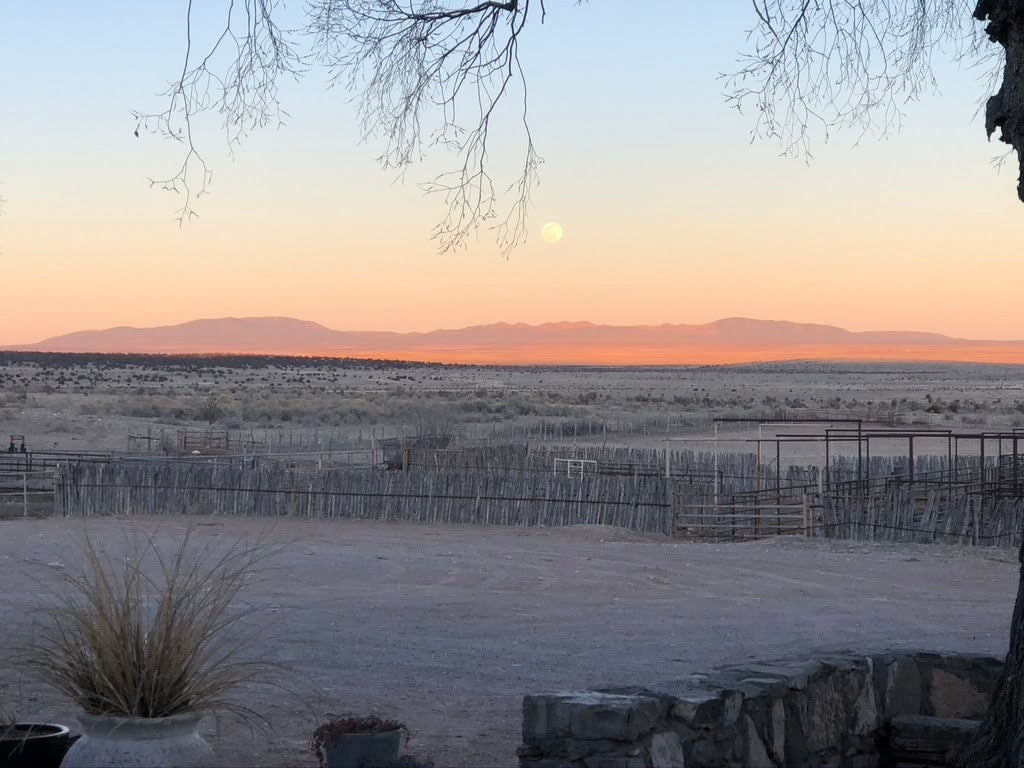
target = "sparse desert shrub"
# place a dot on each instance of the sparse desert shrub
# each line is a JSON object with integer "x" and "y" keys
{"x": 210, "y": 411}
{"x": 133, "y": 406}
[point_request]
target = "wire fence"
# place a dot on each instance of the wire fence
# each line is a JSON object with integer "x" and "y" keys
{"x": 26, "y": 492}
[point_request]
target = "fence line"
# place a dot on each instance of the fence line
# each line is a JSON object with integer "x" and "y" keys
{"x": 638, "y": 504}
{"x": 520, "y": 487}
{"x": 26, "y": 492}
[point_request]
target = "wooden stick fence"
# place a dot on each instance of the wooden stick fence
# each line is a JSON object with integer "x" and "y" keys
{"x": 414, "y": 496}
{"x": 517, "y": 485}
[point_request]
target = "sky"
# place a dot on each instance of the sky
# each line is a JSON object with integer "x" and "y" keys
{"x": 670, "y": 213}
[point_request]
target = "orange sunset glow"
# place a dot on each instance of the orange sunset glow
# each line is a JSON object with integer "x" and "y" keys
{"x": 665, "y": 211}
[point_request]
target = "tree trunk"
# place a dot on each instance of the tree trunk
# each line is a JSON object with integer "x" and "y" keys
{"x": 1005, "y": 110}
{"x": 1000, "y": 739}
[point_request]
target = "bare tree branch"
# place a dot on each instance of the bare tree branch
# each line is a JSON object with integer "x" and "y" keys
{"x": 818, "y": 65}
{"x": 237, "y": 77}
{"x": 430, "y": 75}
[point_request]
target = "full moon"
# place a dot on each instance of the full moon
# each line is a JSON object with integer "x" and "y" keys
{"x": 551, "y": 232}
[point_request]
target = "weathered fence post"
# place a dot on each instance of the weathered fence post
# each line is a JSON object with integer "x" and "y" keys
{"x": 732, "y": 508}
{"x": 673, "y": 510}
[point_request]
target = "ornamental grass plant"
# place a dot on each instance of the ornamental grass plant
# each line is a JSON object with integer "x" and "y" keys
{"x": 154, "y": 633}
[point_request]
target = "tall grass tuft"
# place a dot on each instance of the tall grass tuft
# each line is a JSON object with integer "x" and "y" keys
{"x": 153, "y": 634}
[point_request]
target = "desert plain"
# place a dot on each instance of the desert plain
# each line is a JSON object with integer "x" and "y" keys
{"x": 447, "y": 627}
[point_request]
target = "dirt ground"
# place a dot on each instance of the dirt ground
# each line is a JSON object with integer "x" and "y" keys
{"x": 446, "y": 628}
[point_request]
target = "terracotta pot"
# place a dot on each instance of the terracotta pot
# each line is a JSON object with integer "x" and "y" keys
{"x": 140, "y": 742}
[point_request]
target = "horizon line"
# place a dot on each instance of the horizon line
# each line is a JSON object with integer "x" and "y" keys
{"x": 525, "y": 364}
{"x": 513, "y": 324}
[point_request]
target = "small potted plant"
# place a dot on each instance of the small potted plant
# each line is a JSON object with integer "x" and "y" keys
{"x": 359, "y": 742}
{"x": 145, "y": 646}
{"x": 31, "y": 745}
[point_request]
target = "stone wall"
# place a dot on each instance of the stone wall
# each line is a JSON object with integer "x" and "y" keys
{"x": 827, "y": 711}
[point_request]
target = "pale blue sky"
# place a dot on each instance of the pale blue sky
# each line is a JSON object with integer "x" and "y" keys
{"x": 671, "y": 215}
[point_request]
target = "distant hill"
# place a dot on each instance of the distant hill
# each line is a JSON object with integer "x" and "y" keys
{"x": 732, "y": 340}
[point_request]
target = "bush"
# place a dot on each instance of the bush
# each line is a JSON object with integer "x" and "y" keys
{"x": 210, "y": 411}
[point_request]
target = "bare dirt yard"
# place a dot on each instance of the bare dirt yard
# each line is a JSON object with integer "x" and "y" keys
{"x": 446, "y": 628}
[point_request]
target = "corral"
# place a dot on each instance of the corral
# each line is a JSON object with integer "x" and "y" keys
{"x": 958, "y": 495}
{"x": 448, "y": 627}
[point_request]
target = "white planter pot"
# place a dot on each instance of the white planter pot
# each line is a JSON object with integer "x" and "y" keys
{"x": 140, "y": 742}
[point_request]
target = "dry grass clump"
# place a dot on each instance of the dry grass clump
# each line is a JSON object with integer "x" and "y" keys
{"x": 153, "y": 634}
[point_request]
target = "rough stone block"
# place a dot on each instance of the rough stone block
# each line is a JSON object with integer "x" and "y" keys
{"x": 824, "y": 712}
{"x": 882, "y": 665}
{"x": 862, "y": 761}
{"x": 589, "y": 716}
{"x": 732, "y": 706}
{"x": 739, "y": 679}
{"x": 615, "y": 760}
{"x": 796, "y": 737}
{"x": 866, "y": 717}
{"x": 626, "y": 690}
{"x": 778, "y": 731}
{"x": 779, "y": 671}
{"x": 713, "y": 751}
{"x": 666, "y": 751}
{"x": 929, "y": 740}
{"x": 799, "y": 673}
{"x": 708, "y": 709}
{"x": 755, "y": 753}
{"x": 903, "y": 688}
{"x": 535, "y": 717}
{"x": 766, "y": 686}
{"x": 768, "y": 715}
{"x": 575, "y": 749}
{"x": 540, "y": 716}
{"x": 844, "y": 662}
{"x": 952, "y": 696}
{"x": 548, "y": 762}
{"x": 607, "y": 716}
